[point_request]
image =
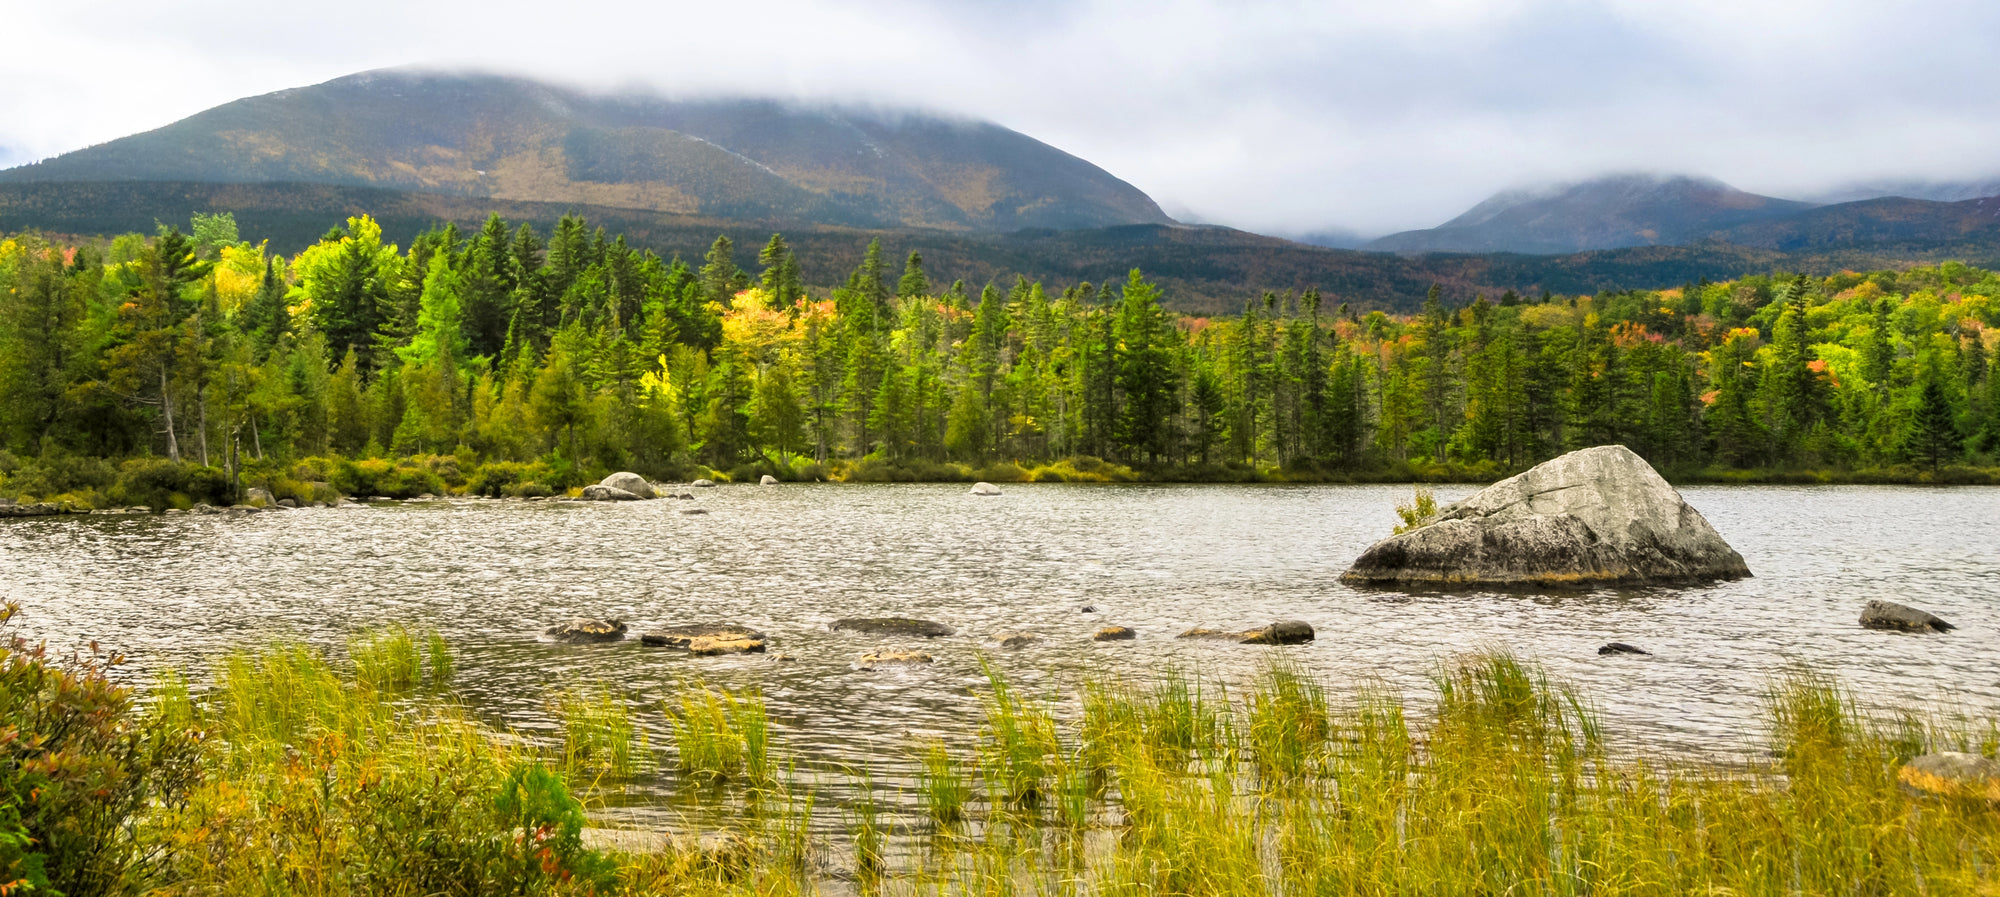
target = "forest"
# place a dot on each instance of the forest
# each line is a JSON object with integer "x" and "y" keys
{"x": 173, "y": 368}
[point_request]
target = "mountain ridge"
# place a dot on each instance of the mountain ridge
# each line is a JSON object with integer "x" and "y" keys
{"x": 510, "y": 138}
{"x": 1609, "y": 212}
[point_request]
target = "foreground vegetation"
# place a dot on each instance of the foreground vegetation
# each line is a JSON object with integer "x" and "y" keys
{"x": 291, "y": 774}
{"x": 141, "y": 369}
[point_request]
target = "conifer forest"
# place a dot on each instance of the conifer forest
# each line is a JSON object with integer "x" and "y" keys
{"x": 183, "y": 367}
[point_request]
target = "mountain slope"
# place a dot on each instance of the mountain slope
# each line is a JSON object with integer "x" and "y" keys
{"x": 1604, "y": 213}
{"x": 519, "y": 140}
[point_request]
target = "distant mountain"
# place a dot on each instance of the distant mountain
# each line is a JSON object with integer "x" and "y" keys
{"x": 1604, "y": 213}
{"x": 1968, "y": 229}
{"x": 1332, "y": 238}
{"x": 1201, "y": 269}
{"x": 518, "y": 140}
{"x": 1935, "y": 191}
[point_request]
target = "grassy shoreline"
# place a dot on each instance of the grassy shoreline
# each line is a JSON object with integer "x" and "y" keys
{"x": 85, "y": 484}
{"x": 293, "y": 772}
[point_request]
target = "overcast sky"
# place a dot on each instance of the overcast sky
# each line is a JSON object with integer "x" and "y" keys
{"x": 1280, "y": 117}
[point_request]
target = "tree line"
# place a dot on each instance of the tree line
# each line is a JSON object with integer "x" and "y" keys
{"x": 519, "y": 363}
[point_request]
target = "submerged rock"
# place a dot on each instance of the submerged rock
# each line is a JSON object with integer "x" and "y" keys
{"x": 768, "y": 480}
{"x": 607, "y": 493}
{"x": 1286, "y": 632}
{"x": 684, "y": 635}
{"x": 1622, "y": 648}
{"x": 1015, "y": 639}
{"x": 901, "y": 626}
{"x": 713, "y": 647}
{"x": 874, "y": 660}
{"x": 1114, "y": 634}
{"x": 1597, "y": 517}
{"x": 702, "y": 484}
{"x": 1900, "y": 618}
{"x": 1952, "y": 774}
{"x": 586, "y": 631}
{"x": 985, "y": 489}
{"x": 629, "y": 482}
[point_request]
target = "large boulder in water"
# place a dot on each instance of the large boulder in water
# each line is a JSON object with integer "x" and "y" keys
{"x": 601, "y": 492}
{"x": 1597, "y": 517}
{"x": 685, "y": 635}
{"x": 575, "y": 632}
{"x": 1881, "y": 614}
{"x": 629, "y": 482}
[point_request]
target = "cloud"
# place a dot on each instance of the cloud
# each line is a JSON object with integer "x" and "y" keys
{"x": 1284, "y": 116}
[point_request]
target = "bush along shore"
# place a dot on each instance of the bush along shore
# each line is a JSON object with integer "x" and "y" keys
{"x": 68, "y": 484}
{"x": 532, "y": 361}
{"x": 290, "y": 772}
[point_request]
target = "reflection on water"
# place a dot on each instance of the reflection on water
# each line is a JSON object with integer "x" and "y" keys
{"x": 788, "y": 560}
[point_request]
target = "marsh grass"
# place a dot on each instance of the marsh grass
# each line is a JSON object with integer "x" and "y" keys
{"x": 721, "y": 736}
{"x": 600, "y": 737}
{"x": 387, "y": 659}
{"x": 1507, "y": 785}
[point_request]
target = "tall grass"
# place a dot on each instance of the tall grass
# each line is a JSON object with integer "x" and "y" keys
{"x": 1506, "y": 784}
{"x": 600, "y": 737}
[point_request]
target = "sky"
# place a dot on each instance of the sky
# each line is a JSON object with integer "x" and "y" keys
{"x": 1280, "y": 117}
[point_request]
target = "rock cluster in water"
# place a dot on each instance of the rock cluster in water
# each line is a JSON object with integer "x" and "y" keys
{"x": 1597, "y": 517}
{"x": 586, "y": 631}
{"x": 1287, "y": 632}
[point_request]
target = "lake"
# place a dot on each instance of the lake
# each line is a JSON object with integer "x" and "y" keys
{"x": 788, "y": 560}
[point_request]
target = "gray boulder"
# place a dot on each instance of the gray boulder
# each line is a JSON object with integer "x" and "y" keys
{"x": 1114, "y": 634}
{"x": 607, "y": 493}
{"x": 586, "y": 631}
{"x": 985, "y": 489}
{"x": 1597, "y": 517}
{"x": 1622, "y": 648}
{"x": 1952, "y": 774}
{"x": 629, "y": 482}
{"x": 259, "y": 496}
{"x": 1900, "y": 618}
{"x": 1015, "y": 639}
{"x": 893, "y": 626}
{"x": 768, "y": 480}
{"x": 702, "y": 483}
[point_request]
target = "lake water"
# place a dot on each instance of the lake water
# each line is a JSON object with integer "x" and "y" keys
{"x": 790, "y": 559}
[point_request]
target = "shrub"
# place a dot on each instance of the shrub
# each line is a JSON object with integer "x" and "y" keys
{"x": 78, "y": 762}
{"x": 160, "y": 483}
{"x": 55, "y": 475}
{"x": 378, "y": 476}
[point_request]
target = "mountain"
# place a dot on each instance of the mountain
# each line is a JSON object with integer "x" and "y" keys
{"x": 1935, "y": 191}
{"x": 513, "y": 139}
{"x": 1611, "y": 212}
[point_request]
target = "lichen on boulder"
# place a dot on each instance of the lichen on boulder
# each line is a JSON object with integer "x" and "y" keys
{"x": 1596, "y": 517}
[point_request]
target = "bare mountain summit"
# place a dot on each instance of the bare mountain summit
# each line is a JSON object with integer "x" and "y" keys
{"x": 513, "y": 139}
{"x": 1613, "y": 212}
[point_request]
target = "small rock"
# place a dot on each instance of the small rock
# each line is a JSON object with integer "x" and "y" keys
{"x": 174, "y": 512}
{"x": 259, "y": 496}
{"x": 1952, "y": 774}
{"x": 878, "y": 659}
{"x": 782, "y": 657}
{"x": 319, "y": 504}
{"x": 1015, "y": 639}
{"x": 626, "y": 481}
{"x": 899, "y": 626}
{"x": 1087, "y": 609}
{"x": 768, "y": 480}
{"x": 288, "y": 503}
{"x": 984, "y": 488}
{"x": 684, "y": 635}
{"x": 204, "y": 509}
{"x": 597, "y": 492}
{"x": 1114, "y": 634}
{"x": 380, "y": 498}
{"x": 586, "y": 631}
{"x": 1622, "y": 648}
{"x": 694, "y": 510}
{"x": 138, "y": 509}
{"x": 712, "y": 647}
{"x": 687, "y": 495}
{"x": 1288, "y": 632}
{"x": 702, "y": 484}
{"x": 1900, "y": 618}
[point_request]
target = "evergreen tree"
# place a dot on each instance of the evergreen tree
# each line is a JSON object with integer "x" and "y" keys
{"x": 1933, "y": 437}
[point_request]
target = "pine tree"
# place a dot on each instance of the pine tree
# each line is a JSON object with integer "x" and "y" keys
{"x": 1933, "y": 437}
{"x": 913, "y": 283}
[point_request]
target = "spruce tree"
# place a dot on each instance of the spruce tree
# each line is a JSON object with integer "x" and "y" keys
{"x": 1933, "y": 437}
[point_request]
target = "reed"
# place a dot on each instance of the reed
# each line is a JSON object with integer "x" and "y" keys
{"x": 721, "y": 736}
{"x": 387, "y": 659}
{"x": 600, "y": 737}
{"x": 943, "y": 784}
